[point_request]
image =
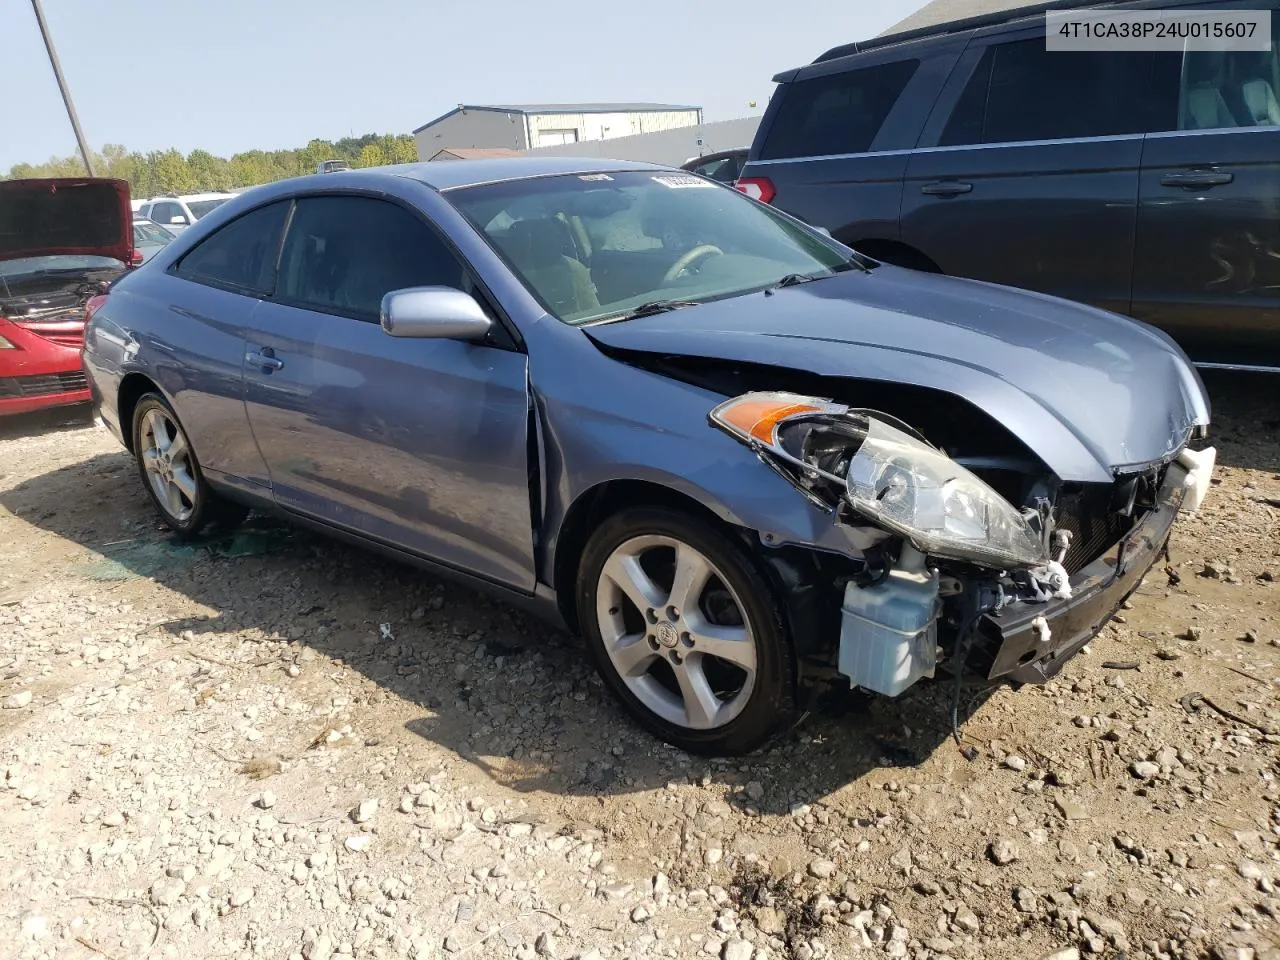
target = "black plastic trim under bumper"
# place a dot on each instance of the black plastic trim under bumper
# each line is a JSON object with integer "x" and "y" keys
{"x": 1097, "y": 592}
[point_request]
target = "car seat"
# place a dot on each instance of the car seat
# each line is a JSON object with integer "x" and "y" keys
{"x": 1203, "y": 106}
{"x": 1260, "y": 101}
{"x": 562, "y": 282}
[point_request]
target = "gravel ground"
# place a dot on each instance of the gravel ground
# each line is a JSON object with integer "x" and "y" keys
{"x": 271, "y": 745}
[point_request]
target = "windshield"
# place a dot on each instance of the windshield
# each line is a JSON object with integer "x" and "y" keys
{"x": 199, "y": 208}
{"x": 149, "y": 232}
{"x": 28, "y": 266}
{"x": 599, "y": 245}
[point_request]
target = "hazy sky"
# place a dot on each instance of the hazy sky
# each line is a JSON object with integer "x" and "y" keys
{"x": 230, "y": 75}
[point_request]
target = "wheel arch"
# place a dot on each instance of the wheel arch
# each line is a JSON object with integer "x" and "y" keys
{"x": 801, "y": 575}
{"x": 601, "y": 501}
{"x": 132, "y": 389}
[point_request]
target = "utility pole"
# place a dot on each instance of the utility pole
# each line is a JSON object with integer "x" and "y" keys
{"x": 62, "y": 86}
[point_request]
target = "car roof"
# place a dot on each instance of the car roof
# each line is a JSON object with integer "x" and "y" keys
{"x": 448, "y": 174}
{"x": 188, "y": 197}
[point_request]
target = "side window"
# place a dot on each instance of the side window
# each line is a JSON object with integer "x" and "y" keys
{"x": 724, "y": 170}
{"x": 343, "y": 254}
{"x": 1224, "y": 89}
{"x": 1021, "y": 91}
{"x": 712, "y": 168}
{"x": 838, "y": 113}
{"x": 165, "y": 212}
{"x": 242, "y": 255}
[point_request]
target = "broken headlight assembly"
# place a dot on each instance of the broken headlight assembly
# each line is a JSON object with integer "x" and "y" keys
{"x": 890, "y": 476}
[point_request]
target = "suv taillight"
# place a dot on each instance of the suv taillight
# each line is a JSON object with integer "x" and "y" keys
{"x": 757, "y": 188}
{"x": 93, "y": 305}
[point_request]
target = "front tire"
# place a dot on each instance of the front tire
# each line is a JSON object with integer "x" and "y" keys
{"x": 171, "y": 473}
{"x": 686, "y": 631}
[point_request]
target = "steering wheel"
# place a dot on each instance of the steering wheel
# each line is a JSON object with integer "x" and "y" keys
{"x": 687, "y": 260}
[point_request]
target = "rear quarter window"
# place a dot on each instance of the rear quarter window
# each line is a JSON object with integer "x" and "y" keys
{"x": 240, "y": 256}
{"x": 837, "y": 113}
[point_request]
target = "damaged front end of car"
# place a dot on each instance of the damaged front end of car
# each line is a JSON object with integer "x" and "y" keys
{"x": 952, "y": 571}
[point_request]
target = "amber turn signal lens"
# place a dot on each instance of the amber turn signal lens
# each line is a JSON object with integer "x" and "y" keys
{"x": 758, "y": 416}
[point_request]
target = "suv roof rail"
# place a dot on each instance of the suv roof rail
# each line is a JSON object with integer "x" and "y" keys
{"x": 958, "y": 26}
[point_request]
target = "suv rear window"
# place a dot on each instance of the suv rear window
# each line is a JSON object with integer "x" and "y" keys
{"x": 837, "y": 113}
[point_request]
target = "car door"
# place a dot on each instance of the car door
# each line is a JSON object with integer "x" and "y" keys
{"x": 209, "y": 297}
{"x": 419, "y": 444}
{"x": 1027, "y": 173}
{"x": 1207, "y": 266}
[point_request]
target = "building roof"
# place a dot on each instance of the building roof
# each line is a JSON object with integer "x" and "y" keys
{"x": 473, "y": 153}
{"x": 533, "y": 109}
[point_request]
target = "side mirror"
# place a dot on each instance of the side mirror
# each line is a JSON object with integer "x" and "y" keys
{"x": 440, "y": 313}
{"x": 178, "y": 219}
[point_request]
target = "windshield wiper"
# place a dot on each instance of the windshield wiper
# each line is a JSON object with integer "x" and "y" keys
{"x": 792, "y": 279}
{"x": 653, "y": 307}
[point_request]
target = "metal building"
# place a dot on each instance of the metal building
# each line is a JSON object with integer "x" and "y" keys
{"x": 524, "y": 126}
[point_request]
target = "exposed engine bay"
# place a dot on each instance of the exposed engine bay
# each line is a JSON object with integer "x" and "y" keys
{"x": 45, "y": 299}
{"x": 942, "y": 548}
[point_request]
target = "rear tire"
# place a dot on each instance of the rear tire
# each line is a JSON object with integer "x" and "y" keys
{"x": 171, "y": 474}
{"x": 686, "y": 631}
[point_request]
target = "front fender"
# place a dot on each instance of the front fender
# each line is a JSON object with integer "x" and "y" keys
{"x": 664, "y": 437}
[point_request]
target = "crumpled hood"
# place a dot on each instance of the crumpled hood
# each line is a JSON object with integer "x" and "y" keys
{"x": 85, "y": 216}
{"x": 1092, "y": 393}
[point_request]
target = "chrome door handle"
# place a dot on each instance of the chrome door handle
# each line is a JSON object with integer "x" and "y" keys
{"x": 1197, "y": 178}
{"x": 266, "y": 360}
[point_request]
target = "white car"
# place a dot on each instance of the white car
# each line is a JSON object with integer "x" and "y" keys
{"x": 178, "y": 213}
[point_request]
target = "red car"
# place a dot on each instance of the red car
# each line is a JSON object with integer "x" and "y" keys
{"x": 61, "y": 243}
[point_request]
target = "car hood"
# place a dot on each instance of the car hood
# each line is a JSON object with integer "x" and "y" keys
{"x": 1092, "y": 393}
{"x": 87, "y": 216}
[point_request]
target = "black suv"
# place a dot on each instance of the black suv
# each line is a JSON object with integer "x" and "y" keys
{"x": 1144, "y": 183}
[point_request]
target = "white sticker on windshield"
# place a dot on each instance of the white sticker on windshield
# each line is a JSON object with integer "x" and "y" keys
{"x": 594, "y": 176}
{"x": 681, "y": 181}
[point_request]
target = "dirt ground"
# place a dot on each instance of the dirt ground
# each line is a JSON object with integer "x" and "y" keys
{"x": 270, "y": 745}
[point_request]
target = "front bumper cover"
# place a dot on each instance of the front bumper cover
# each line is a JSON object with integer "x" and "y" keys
{"x": 1097, "y": 591}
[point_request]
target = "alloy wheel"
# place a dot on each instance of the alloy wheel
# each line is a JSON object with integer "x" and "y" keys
{"x": 675, "y": 632}
{"x": 166, "y": 457}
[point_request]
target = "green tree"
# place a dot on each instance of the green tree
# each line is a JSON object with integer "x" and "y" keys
{"x": 404, "y": 149}
{"x": 371, "y": 155}
{"x": 210, "y": 172}
{"x": 168, "y": 171}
